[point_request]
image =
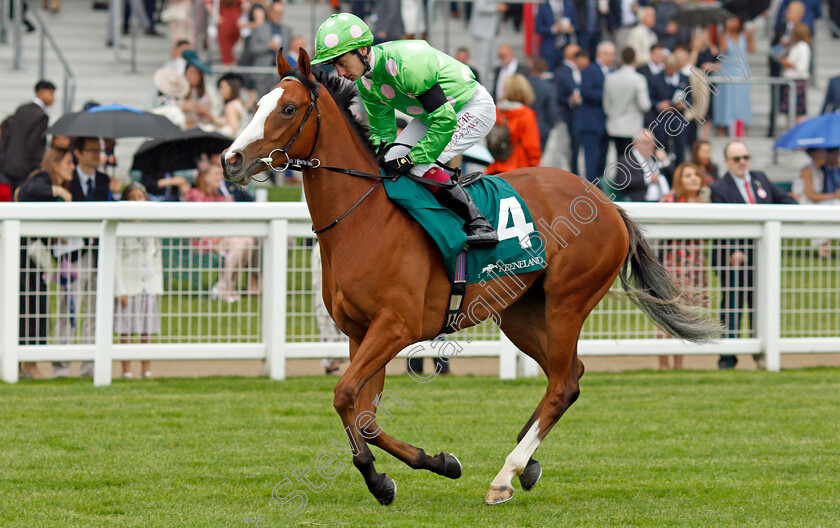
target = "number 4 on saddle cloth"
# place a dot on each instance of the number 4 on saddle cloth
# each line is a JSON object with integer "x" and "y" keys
{"x": 518, "y": 251}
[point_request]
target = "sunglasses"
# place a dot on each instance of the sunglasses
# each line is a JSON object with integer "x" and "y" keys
{"x": 738, "y": 159}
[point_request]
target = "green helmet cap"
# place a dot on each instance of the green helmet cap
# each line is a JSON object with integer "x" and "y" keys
{"x": 339, "y": 34}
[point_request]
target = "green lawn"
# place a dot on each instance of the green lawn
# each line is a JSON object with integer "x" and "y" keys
{"x": 692, "y": 449}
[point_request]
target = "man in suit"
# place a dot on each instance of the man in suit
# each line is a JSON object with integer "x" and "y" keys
{"x": 639, "y": 175}
{"x": 508, "y": 65}
{"x": 555, "y": 23}
{"x": 545, "y": 100}
{"x": 649, "y": 70}
{"x": 88, "y": 185}
{"x": 264, "y": 42}
{"x": 794, "y": 13}
{"x": 621, "y": 18}
{"x": 832, "y": 96}
{"x": 588, "y": 24}
{"x": 626, "y": 100}
{"x": 591, "y": 121}
{"x": 735, "y": 258}
{"x": 567, "y": 79}
{"x": 670, "y": 128}
{"x": 26, "y": 139}
{"x": 642, "y": 37}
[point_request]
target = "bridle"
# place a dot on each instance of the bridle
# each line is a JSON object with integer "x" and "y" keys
{"x": 308, "y": 161}
{"x": 315, "y": 163}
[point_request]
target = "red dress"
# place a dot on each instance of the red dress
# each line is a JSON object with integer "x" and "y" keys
{"x": 228, "y": 30}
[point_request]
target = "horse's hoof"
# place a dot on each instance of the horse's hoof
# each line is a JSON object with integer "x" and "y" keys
{"x": 452, "y": 468}
{"x": 531, "y": 475}
{"x": 385, "y": 490}
{"x": 498, "y": 495}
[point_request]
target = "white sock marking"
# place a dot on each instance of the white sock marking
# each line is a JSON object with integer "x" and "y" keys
{"x": 518, "y": 458}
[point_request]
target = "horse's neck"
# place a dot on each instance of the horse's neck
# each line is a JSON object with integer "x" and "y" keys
{"x": 330, "y": 194}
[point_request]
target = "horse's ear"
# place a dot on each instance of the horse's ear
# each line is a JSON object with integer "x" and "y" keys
{"x": 282, "y": 64}
{"x": 304, "y": 65}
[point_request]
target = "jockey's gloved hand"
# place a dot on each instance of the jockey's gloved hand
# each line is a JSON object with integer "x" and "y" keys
{"x": 398, "y": 166}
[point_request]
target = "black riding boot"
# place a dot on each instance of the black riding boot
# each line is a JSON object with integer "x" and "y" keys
{"x": 479, "y": 231}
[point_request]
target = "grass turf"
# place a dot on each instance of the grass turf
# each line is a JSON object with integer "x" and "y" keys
{"x": 638, "y": 449}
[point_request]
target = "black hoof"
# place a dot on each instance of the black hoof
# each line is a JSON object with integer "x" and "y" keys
{"x": 385, "y": 490}
{"x": 531, "y": 475}
{"x": 452, "y": 468}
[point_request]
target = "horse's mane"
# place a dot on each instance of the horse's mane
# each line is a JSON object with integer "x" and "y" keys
{"x": 343, "y": 92}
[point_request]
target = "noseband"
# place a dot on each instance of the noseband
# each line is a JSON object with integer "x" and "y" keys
{"x": 305, "y": 162}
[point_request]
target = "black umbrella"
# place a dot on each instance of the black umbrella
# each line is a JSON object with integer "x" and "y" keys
{"x": 158, "y": 156}
{"x": 115, "y": 121}
{"x": 701, "y": 15}
{"x": 747, "y": 10}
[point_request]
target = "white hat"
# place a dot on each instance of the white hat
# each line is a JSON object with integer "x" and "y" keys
{"x": 171, "y": 83}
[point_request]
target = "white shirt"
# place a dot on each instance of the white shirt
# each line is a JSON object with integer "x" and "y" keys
{"x": 655, "y": 68}
{"x": 800, "y": 56}
{"x": 557, "y": 9}
{"x": 504, "y": 73}
{"x": 651, "y": 166}
{"x": 603, "y": 68}
{"x": 40, "y": 103}
{"x": 84, "y": 179}
{"x": 575, "y": 71}
{"x": 741, "y": 183}
{"x": 628, "y": 17}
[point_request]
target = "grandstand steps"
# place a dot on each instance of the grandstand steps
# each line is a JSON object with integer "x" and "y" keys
{"x": 80, "y": 33}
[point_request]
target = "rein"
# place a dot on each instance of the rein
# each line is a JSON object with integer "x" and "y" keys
{"x": 315, "y": 163}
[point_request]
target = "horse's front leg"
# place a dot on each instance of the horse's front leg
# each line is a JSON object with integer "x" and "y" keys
{"x": 374, "y": 401}
{"x": 383, "y": 340}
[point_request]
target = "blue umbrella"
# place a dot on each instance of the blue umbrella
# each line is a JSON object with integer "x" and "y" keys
{"x": 819, "y": 132}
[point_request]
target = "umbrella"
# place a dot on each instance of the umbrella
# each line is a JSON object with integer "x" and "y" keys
{"x": 747, "y": 10}
{"x": 819, "y": 132}
{"x": 115, "y": 121}
{"x": 701, "y": 15}
{"x": 158, "y": 156}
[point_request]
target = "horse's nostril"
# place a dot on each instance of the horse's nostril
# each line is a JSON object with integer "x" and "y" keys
{"x": 234, "y": 160}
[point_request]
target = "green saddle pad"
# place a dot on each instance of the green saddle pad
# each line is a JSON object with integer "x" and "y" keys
{"x": 502, "y": 207}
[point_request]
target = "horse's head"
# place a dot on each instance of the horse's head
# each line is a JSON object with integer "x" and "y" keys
{"x": 284, "y": 116}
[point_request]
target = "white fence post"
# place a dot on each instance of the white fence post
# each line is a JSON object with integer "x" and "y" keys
{"x": 105, "y": 278}
{"x": 507, "y": 357}
{"x": 768, "y": 297}
{"x": 275, "y": 269}
{"x": 527, "y": 367}
{"x": 10, "y": 291}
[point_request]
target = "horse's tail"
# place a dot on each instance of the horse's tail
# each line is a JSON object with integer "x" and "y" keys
{"x": 652, "y": 289}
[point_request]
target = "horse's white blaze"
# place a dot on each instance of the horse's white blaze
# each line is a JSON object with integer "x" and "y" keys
{"x": 518, "y": 458}
{"x": 256, "y": 128}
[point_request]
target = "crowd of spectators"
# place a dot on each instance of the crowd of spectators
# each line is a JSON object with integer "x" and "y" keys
{"x": 570, "y": 97}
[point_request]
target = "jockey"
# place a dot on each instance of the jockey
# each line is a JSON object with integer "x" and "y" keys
{"x": 452, "y": 111}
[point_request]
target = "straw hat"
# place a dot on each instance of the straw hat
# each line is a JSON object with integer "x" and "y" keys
{"x": 171, "y": 83}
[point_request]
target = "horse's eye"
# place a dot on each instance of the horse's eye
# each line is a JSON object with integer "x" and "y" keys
{"x": 289, "y": 109}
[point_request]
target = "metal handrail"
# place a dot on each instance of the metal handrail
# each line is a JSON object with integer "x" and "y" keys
{"x": 46, "y": 36}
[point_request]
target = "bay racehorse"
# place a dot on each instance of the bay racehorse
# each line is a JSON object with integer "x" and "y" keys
{"x": 385, "y": 285}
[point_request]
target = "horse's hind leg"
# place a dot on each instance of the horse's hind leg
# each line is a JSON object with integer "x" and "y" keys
{"x": 524, "y": 324}
{"x": 374, "y": 401}
{"x": 563, "y": 370}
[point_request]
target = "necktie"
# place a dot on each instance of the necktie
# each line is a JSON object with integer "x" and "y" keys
{"x": 750, "y": 196}
{"x": 89, "y": 192}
